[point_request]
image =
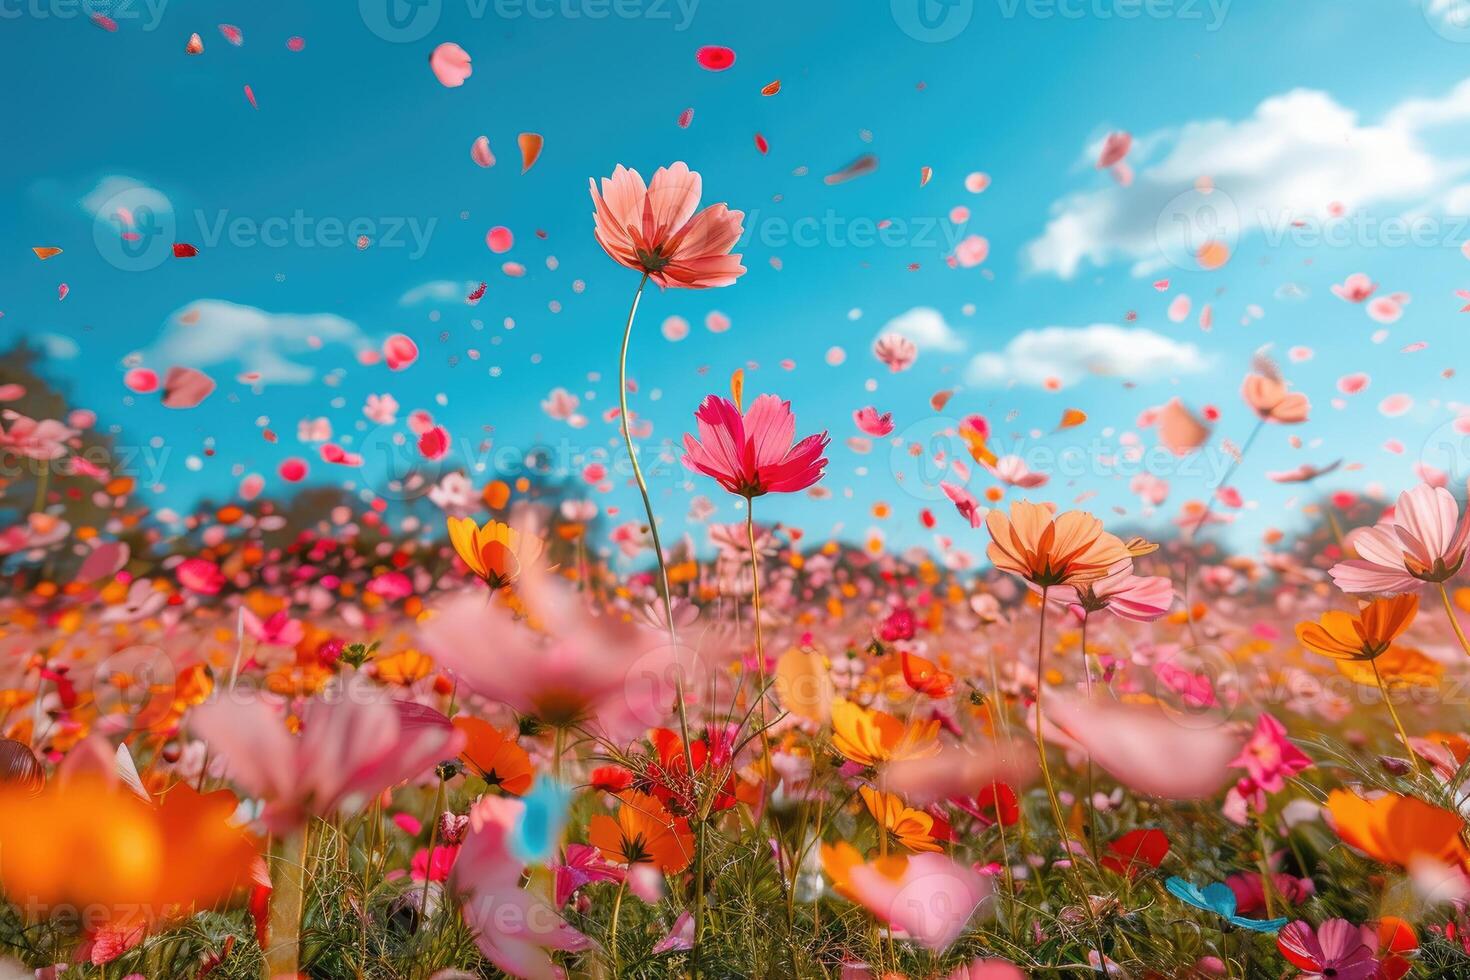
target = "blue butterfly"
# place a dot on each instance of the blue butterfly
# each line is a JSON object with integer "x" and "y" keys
{"x": 1218, "y": 898}
{"x": 535, "y": 837}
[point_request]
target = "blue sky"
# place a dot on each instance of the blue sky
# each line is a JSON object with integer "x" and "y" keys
{"x": 1289, "y": 107}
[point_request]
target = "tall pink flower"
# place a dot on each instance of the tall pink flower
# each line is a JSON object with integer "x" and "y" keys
{"x": 751, "y": 455}
{"x": 1423, "y": 541}
{"x": 1269, "y": 757}
{"x": 654, "y": 229}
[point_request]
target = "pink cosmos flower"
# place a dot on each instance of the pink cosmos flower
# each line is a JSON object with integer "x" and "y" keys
{"x": 348, "y": 750}
{"x": 896, "y": 351}
{"x": 1012, "y": 471}
{"x": 964, "y": 501}
{"x": 870, "y": 422}
{"x": 278, "y": 629}
{"x": 654, "y": 229}
{"x": 582, "y": 666}
{"x": 1423, "y": 541}
{"x": 514, "y": 927}
{"x": 1356, "y": 288}
{"x": 1334, "y": 949}
{"x": 25, "y": 436}
{"x": 751, "y": 455}
{"x": 1269, "y": 757}
{"x": 1127, "y": 595}
{"x": 932, "y": 900}
{"x": 380, "y": 409}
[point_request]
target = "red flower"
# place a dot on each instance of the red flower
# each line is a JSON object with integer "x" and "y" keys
{"x": 1134, "y": 851}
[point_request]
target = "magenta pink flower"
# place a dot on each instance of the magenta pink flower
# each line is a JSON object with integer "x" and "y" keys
{"x": 1269, "y": 757}
{"x": 1334, "y": 949}
{"x": 1424, "y": 540}
{"x": 751, "y": 455}
{"x": 654, "y": 229}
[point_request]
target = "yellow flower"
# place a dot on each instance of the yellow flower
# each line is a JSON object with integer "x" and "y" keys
{"x": 868, "y": 736}
{"x": 496, "y": 552}
{"x": 911, "y": 828}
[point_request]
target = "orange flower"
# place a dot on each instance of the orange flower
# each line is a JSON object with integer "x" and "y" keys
{"x": 403, "y": 668}
{"x": 868, "y": 736}
{"x": 1401, "y": 665}
{"x": 1365, "y": 636}
{"x": 839, "y": 860}
{"x": 298, "y": 680}
{"x": 911, "y": 828}
{"x": 925, "y": 677}
{"x": 85, "y": 843}
{"x": 1270, "y": 400}
{"x": 494, "y": 756}
{"x": 496, "y": 552}
{"x": 1046, "y": 549}
{"x": 643, "y": 833}
{"x": 1397, "y": 829}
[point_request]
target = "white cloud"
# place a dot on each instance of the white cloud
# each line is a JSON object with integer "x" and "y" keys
{"x": 1295, "y": 155}
{"x": 437, "y": 291}
{"x": 214, "y": 331}
{"x": 114, "y": 190}
{"x": 1070, "y": 354}
{"x": 927, "y": 328}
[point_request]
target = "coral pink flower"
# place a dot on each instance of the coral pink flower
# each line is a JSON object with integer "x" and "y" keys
{"x": 751, "y": 455}
{"x": 1269, "y": 757}
{"x": 654, "y": 229}
{"x": 1423, "y": 541}
{"x": 1013, "y": 471}
{"x": 873, "y": 424}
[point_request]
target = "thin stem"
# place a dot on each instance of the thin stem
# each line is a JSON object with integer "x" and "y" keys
{"x": 1092, "y": 840}
{"x": 612, "y": 941}
{"x": 663, "y": 572}
{"x": 288, "y": 894}
{"x": 1394, "y": 714}
{"x": 760, "y": 664}
{"x": 433, "y": 840}
{"x": 1051, "y": 790}
{"x": 1449, "y": 610}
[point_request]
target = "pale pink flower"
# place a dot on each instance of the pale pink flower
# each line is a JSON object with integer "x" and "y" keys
{"x": 381, "y": 409}
{"x": 753, "y": 454}
{"x": 1127, "y": 595}
{"x": 571, "y": 666}
{"x": 347, "y": 750}
{"x": 654, "y": 229}
{"x": 1012, "y": 471}
{"x": 25, "y": 436}
{"x": 1423, "y": 541}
